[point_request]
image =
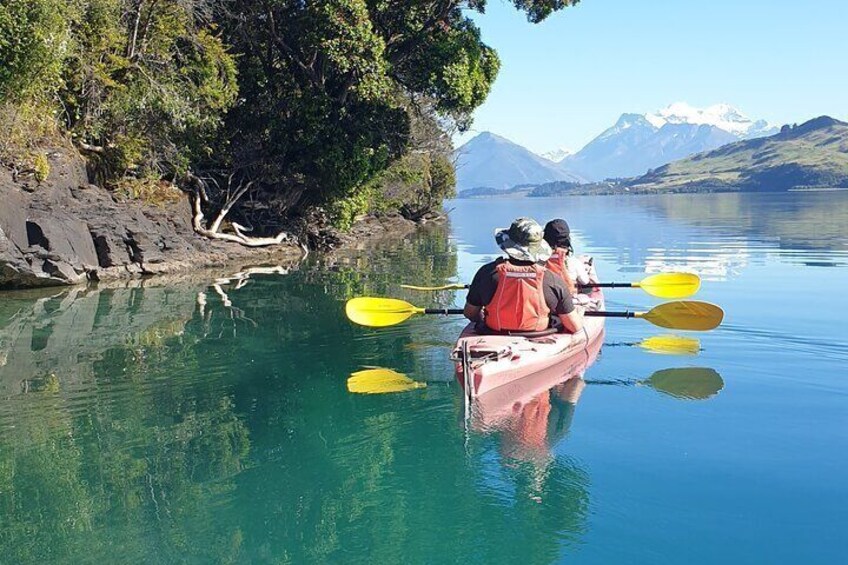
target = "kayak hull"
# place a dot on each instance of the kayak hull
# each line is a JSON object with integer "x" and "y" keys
{"x": 499, "y": 360}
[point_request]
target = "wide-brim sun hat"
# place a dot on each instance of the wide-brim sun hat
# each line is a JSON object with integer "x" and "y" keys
{"x": 524, "y": 241}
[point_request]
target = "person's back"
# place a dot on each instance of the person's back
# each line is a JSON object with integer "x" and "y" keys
{"x": 562, "y": 261}
{"x": 518, "y": 294}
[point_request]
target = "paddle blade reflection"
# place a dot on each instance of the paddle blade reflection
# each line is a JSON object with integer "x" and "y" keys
{"x": 380, "y": 381}
{"x": 671, "y": 345}
{"x": 690, "y": 383}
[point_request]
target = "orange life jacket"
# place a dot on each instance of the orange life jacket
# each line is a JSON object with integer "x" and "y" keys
{"x": 519, "y": 301}
{"x": 557, "y": 265}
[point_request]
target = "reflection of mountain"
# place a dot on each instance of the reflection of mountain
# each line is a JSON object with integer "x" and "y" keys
{"x": 716, "y": 235}
{"x": 810, "y": 221}
{"x": 713, "y": 264}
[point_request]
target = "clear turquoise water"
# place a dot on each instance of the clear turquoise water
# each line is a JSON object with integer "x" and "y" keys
{"x": 189, "y": 423}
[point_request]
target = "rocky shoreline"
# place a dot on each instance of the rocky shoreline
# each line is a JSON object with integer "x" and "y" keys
{"x": 65, "y": 231}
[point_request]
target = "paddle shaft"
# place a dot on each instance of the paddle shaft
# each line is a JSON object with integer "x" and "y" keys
{"x": 603, "y": 314}
{"x": 591, "y": 285}
{"x": 608, "y": 285}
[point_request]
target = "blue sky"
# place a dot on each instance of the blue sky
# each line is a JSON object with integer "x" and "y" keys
{"x": 567, "y": 79}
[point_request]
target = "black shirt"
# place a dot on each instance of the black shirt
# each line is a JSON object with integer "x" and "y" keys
{"x": 485, "y": 282}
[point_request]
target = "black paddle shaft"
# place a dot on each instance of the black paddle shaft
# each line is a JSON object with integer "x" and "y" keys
{"x": 607, "y": 285}
{"x": 605, "y": 314}
{"x": 444, "y": 311}
{"x": 602, "y": 314}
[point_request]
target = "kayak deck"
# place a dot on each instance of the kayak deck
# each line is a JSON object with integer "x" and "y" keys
{"x": 497, "y": 360}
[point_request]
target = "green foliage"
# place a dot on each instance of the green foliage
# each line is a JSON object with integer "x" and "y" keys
{"x": 152, "y": 94}
{"x": 25, "y": 128}
{"x": 34, "y": 40}
{"x": 344, "y": 211}
{"x": 309, "y": 101}
{"x": 149, "y": 190}
{"x": 41, "y": 167}
{"x": 415, "y": 185}
{"x": 334, "y": 113}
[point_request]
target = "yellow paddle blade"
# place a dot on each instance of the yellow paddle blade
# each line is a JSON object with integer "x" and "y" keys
{"x": 379, "y": 312}
{"x": 456, "y": 286}
{"x": 671, "y": 345}
{"x": 380, "y": 381}
{"x": 684, "y": 315}
{"x": 670, "y": 285}
{"x": 691, "y": 383}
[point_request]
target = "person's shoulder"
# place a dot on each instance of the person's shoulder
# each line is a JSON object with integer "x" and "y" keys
{"x": 553, "y": 280}
{"x": 487, "y": 269}
{"x": 491, "y": 265}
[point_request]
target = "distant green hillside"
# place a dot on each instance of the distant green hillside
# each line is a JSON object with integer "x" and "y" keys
{"x": 813, "y": 154}
{"x": 488, "y": 191}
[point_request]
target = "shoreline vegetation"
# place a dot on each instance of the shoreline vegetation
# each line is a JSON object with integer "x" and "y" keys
{"x": 240, "y": 125}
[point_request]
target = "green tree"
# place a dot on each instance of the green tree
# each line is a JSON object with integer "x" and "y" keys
{"x": 146, "y": 87}
{"x": 325, "y": 88}
{"x": 329, "y": 103}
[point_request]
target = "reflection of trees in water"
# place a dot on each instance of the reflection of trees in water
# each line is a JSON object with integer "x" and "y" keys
{"x": 96, "y": 451}
{"x": 174, "y": 431}
{"x": 139, "y": 472}
{"x": 128, "y": 415}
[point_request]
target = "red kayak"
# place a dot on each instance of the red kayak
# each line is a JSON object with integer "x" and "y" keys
{"x": 494, "y": 361}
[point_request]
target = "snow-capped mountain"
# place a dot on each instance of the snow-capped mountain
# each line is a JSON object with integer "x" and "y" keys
{"x": 639, "y": 142}
{"x": 557, "y": 154}
{"x": 722, "y": 116}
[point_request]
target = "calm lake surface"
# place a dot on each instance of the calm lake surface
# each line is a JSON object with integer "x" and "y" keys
{"x": 202, "y": 423}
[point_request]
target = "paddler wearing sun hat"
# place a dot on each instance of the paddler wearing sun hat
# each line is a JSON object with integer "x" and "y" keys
{"x": 517, "y": 293}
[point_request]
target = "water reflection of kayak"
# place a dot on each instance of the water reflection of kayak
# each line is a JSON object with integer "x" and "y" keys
{"x": 531, "y": 415}
{"x": 505, "y": 405}
{"x": 497, "y": 361}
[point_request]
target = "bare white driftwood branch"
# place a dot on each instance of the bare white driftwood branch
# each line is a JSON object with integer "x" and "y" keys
{"x": 238, "y": 237}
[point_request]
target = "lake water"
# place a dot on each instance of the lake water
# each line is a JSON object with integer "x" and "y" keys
{"x": 203, "y": 423}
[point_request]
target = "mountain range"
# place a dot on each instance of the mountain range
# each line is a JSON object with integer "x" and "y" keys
{"x": 811, "y": 155}
{"x": 635, "y": 144}
{"x": 493, "y": 162}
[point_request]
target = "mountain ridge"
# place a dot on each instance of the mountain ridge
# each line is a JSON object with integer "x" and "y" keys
{"x": 634, "y": 145}
{"x": 813, "y": 154}
{"x": 637, "y": 143}
{"x": 492, "y": 161}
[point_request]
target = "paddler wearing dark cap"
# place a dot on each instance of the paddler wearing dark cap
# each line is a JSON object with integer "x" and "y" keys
{"x": 517, "y": 293}
{"x": 562, "y": 261}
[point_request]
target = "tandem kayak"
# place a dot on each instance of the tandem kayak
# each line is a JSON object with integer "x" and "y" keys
{"x": 494, "y": 361}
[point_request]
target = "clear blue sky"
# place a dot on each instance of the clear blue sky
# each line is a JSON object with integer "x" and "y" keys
{"x": 567, "y": 79}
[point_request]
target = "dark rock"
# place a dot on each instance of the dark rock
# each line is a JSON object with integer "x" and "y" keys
{"x": 66, "y": 231}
